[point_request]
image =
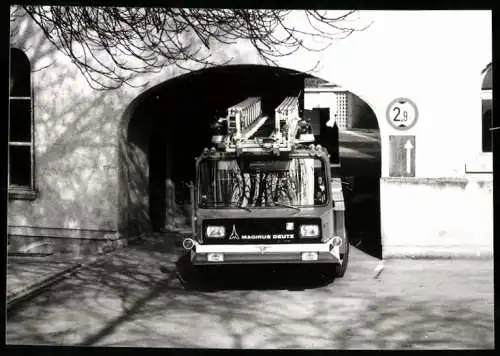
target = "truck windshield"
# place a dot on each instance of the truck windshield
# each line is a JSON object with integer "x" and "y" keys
{"x": 257, "y": 182}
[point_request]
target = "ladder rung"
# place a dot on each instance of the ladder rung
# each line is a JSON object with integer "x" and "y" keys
{"x": 243, "y": 115}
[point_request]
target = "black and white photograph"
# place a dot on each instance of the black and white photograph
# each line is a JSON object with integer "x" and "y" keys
{"x": 249, "y": 178}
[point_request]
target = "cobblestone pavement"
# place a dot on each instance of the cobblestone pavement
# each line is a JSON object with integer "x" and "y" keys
{"x": 134, "y": 298}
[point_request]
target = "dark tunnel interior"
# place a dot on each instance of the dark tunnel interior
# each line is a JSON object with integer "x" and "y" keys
{"x": 173, "y": 122}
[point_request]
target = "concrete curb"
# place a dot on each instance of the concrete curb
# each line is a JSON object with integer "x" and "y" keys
{"x": 437, "y": 253}
{"x": 464, "y": 257}
{"x": 32, "y": 290}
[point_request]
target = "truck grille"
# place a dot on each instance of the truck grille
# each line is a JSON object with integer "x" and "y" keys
{"x": 260, "y": 231}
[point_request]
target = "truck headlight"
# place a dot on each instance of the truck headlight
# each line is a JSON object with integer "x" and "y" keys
{"x": 309, "y": 230}
{"x": 216, "y": 231}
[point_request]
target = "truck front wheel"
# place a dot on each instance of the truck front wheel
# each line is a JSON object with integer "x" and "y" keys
{"x": 339, "y": 269}
{"x": 331, "y": 271}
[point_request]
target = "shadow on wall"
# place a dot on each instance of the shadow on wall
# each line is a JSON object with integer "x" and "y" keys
{"x": 75, "y": 148}
{"x": 133, "y": 174}
{"x": 363, "y": 115}
{"x": 363, "y": 215}
{"x": 169, "y": 125}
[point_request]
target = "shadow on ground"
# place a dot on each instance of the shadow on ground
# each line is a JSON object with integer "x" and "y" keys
{"x": 134, "y": 298}
{"x": 250, "y": 277}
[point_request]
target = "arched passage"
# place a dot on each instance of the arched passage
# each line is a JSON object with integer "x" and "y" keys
{"x": 166, "y": 127}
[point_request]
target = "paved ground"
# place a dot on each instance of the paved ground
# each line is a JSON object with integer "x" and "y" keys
{"x": 363, "y": 144}
{"x": 134, "y": 298}
{"x": 27, "y": 275}
{"x": 24, "y": 271}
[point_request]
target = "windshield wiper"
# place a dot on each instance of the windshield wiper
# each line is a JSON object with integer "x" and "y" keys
{"x": 241, "y": 207}
{"x": 218, "y": 204}
{"x": 286, "y": 205}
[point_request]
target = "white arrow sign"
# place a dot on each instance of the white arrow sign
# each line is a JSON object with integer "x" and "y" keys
{"x": 402, "y": 148}
{"x": 408, "y": 147}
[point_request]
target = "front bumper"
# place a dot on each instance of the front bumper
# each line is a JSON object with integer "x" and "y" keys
{"x": 327, "y": 252}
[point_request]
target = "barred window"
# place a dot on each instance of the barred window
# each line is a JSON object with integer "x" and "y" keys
{"x": 20, "y": 125}
{"x": 342, "y": 110}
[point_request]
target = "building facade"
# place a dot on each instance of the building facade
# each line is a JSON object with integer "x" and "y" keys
{"x": 79, "y": 173}
{"x": 345, "y": 108}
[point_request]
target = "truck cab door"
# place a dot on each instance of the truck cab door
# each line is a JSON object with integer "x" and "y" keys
{"x": 338, "y": 206}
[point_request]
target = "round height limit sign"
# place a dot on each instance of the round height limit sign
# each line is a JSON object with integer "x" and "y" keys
{"x": 402, "y": 113}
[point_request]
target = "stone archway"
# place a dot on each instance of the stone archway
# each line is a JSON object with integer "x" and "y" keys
{"x": 157, "y": 140}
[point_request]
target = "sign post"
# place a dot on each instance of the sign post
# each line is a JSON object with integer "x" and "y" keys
{"x": 402, "y": 156}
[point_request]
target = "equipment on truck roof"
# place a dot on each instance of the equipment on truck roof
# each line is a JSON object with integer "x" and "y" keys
{"x": 244, "y": 120}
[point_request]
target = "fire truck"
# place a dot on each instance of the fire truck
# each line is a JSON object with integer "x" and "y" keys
{"x": 265, "y": 193}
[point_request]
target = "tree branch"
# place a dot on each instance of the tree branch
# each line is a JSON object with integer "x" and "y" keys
{"x": 114, "y": 45}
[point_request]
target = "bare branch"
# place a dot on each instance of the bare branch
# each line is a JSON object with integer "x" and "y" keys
{"x": 111, "y": 46}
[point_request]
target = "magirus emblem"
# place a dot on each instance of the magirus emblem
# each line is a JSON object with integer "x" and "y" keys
{"x": 234, "y": 235}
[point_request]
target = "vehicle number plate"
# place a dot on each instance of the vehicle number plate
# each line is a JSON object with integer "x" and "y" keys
{"x": 215, "y": 257}
{"x": 309, "y": 256}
